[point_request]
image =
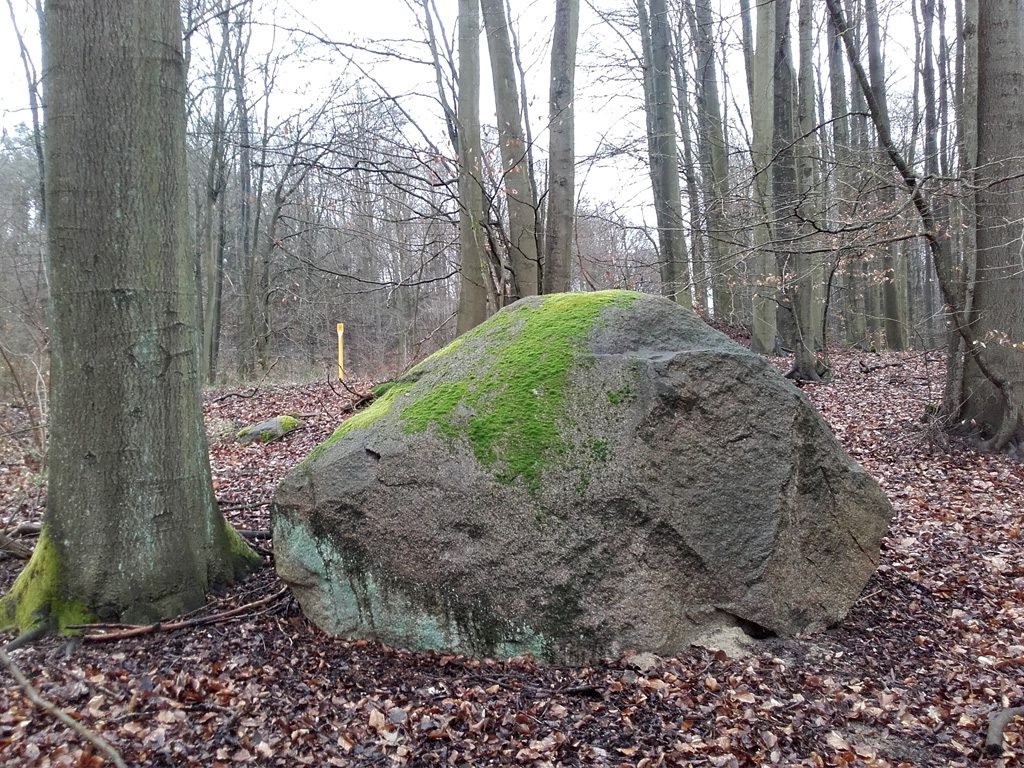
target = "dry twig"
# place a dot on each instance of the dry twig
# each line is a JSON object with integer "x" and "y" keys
{"x": 170, "y": 626}
{"x": 59, "y": 714}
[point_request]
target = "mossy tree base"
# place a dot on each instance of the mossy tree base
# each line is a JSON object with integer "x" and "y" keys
{"x": 41, "y": 595}
{"x": 36, "y": 597}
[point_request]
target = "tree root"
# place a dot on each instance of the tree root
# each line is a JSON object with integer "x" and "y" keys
{"x": 1007, "y": 429}
{"x": 38, "y": 632}
{"x": 170, "y": 626}
{"x": 996, "y": 725}
{"x": 57, "y": 713}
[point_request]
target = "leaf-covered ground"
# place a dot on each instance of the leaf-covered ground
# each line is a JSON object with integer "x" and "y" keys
{"x": 932, "y": 648}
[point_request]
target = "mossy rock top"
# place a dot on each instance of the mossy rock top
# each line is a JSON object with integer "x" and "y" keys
{"x": 271, "y": 429}
{"x": 501, "y": 388}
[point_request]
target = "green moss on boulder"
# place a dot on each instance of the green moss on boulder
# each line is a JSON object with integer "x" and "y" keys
{"x": 271, "y": 429}
{"x": 514, "y": 397}
{"x": 360, "y": 420}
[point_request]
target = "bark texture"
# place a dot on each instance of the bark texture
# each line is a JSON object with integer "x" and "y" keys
{"x": 472, "y": 285}
{"x": 131, "y": 530}
{"x": 997, "y": 316}
{"x": 562, "y": 160}
{"x": 661, "y": 143}
{"x": 522, "y": 207}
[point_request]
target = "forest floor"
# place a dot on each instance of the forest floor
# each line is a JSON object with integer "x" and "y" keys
{"x": 933, "y": 647}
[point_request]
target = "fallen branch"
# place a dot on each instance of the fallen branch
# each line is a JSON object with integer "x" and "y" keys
{"x": 59, "y": 714}
{"x": 360, "y": 400}
{"x": 242, "y": 507}
{"x": 255, "y": 389}
{"x": 170, "y": 626}
{"x": 256, "y": 535}
{"x": 13, "y": 548}
{"x": 868, "y": 368}
{"x": 996, "y": 725}
{"x": 228, "y": 395}
{"x": 357, "y": 404}
{"x": 572, "y": 690}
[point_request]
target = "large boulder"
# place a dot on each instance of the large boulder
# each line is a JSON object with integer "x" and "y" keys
{"x": 581, "y": 474}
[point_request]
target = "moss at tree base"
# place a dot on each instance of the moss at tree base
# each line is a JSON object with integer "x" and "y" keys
{"x": 37, "y": 596}
{"x": 241, "y": 557}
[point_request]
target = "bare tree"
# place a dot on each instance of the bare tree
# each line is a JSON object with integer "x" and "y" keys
{"x": 473, "y": 276}
{"x": 518, "y": 186}
{"x": 661, "y": 138}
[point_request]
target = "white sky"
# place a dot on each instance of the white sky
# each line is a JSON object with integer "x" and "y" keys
{"x": 607, "y": 111}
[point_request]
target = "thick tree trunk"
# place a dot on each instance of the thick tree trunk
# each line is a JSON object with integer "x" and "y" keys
{"x": 522, "y": 206}
{"x": 472, "y": 284}
{"x": 131, "y": 531}
{"x": 997, "y": 315}
{"x": 561, "y": 157}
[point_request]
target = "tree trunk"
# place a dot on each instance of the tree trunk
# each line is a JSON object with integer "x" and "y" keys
{"x": 748, "y": 49}
{"x": 895, "y": 326}
{"x": 212, "y": 242}
{"x": 697, "y": 273}
{"x": 931, "y": 148}
{"x": 472, "y": 284}
{"x": 966, "y": 109}
{"x": 246, "y": 257}
{"x": 714, "y": 161}
{"x": 787, "y": 199}
{"x": 522, "y": 207}
{"x": 997, "y": 314}
{"x": 561, "y": 156}
{"x": 806, "y": 268}
{"x": 662, "y": 144}
{"x": 763, "y": 336}
{"x": 853, "y": 298}
{"x": 131, "y": 531}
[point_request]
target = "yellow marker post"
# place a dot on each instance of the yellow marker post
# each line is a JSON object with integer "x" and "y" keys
{"x": 341, "y": 351}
